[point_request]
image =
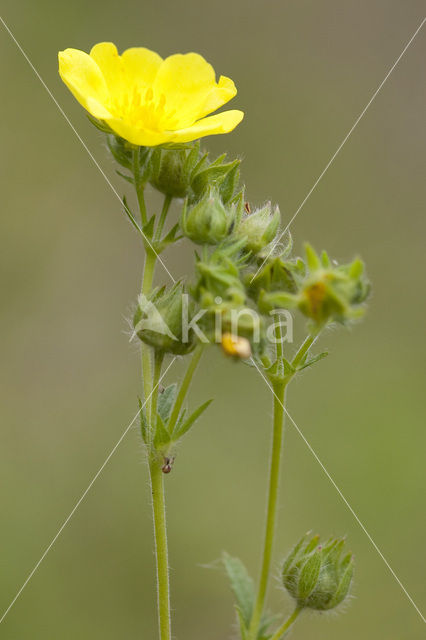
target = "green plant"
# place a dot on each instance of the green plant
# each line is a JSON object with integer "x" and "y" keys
{"x": 245, "y": 283}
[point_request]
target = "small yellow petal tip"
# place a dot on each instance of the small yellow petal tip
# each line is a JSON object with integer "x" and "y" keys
{"x": 236, "y": 346}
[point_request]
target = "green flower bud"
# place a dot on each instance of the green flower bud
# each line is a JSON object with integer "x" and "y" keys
{"x": 162, "y": 320}
{"x": 171, "y": 169}
{"x": 208, "y": 221}
{"x": 223, "y": 176}
{"x": 332, "y": 293}
{"x": 219, "y": 276}
{"x": 317, "y": 576}
{"x": 259, "y": 228}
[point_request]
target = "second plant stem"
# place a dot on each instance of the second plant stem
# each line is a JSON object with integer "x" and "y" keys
{"x": 279, "y": 393}
{"x": 287, "y": 624}
{"x": 279, "y": 389}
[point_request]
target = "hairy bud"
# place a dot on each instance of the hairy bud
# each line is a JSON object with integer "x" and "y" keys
{"x": 159, "y": 318}
{"x": 208, "y": 221}
{"x": 318, "y": 576}
{"x": 259, "y": 228}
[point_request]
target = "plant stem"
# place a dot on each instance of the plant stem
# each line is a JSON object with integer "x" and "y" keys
{"x": 193, "y": 364}
{"x": 166, "y": 205}
{"x": 274, "y": 477}
{"x": 287, "y": 624}
{"x": 148, "y": 275}
{"x": 161, "y": 550}
{"x": 158, "y": 362}
{"x": 150, "y": 381}
{"x": 139, "y": 186}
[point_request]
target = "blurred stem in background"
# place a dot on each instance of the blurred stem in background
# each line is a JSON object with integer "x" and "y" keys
{"x": 279, "y": 389}
{"x": 279, "y": 386}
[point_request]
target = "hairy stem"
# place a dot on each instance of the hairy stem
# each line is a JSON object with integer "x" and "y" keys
{"x": 287, "y": 624}
{"x": 139, "y": 186}
{"x": 161, "y": 549}
{"x": 150, "y": 380}
{"x": 271, "y": 514}
{"x": 148, "y": 275}
{"x": 158, "y": 362}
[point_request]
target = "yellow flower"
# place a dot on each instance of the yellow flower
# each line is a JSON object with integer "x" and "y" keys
{"x": 148, "y": 100}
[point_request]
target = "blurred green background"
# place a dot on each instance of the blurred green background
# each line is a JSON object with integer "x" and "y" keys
{"x": 70, "y": 269}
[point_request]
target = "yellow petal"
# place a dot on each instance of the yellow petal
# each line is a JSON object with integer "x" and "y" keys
{"x": 106, "y": 56}
{"x": 188, "y": 82}
{"x": 141, "y": 66}
{"x": 84, "y": 79}
{"x": 137, "y": 136}
{"x": 220, "y": 123}
{"x": 224, "y": 91}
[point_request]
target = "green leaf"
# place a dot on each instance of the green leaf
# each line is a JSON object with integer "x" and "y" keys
{"x": 148, "y": 228}
{"x": 123, "y": 175}
{"x": 345, "y": 582}
{"x": 325, "y": 260}
{"x": 162, "y": 436}
{"x": 170, "y": 237}
{"x": 166, "y": 401}
{"x": 180, "y": 431}
{"x": 312, "y": 259}
{"x": 130, "y": 215}
{"x": 309, "y": 575}
{"x": 243, "y": 628}
{"x": 242, "y": 586}
{"x": 230, "y": 182}
{"x": 266, "y": 621}
{"x": 120, "y": 151}
{"x": 99, "y": 124}
{"x": 313, "y": 360}
{"x": 293, "y": 555}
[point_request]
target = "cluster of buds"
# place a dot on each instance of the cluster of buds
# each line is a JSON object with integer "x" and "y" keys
{"x": 318, "y": 576}
{"x": 323, "y": 291}
{"x": 230, "y": 317}
{"x": 232, "y": 272}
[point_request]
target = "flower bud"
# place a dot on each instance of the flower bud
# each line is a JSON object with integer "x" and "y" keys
{"x": 236, "y": 346}
{"x": 219, "y": 276}
{"x": 317, "y": 576}
{"x": 259, "y": 228}
{"x": 159, "y": 320}
{"x": 224, "y": 176}
{"x": 332, "y": 293}
{"x": 171, "y": 170}
{"x": 208, "y": 221}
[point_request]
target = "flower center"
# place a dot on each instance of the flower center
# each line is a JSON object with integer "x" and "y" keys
{"x": 141, "y": 108}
